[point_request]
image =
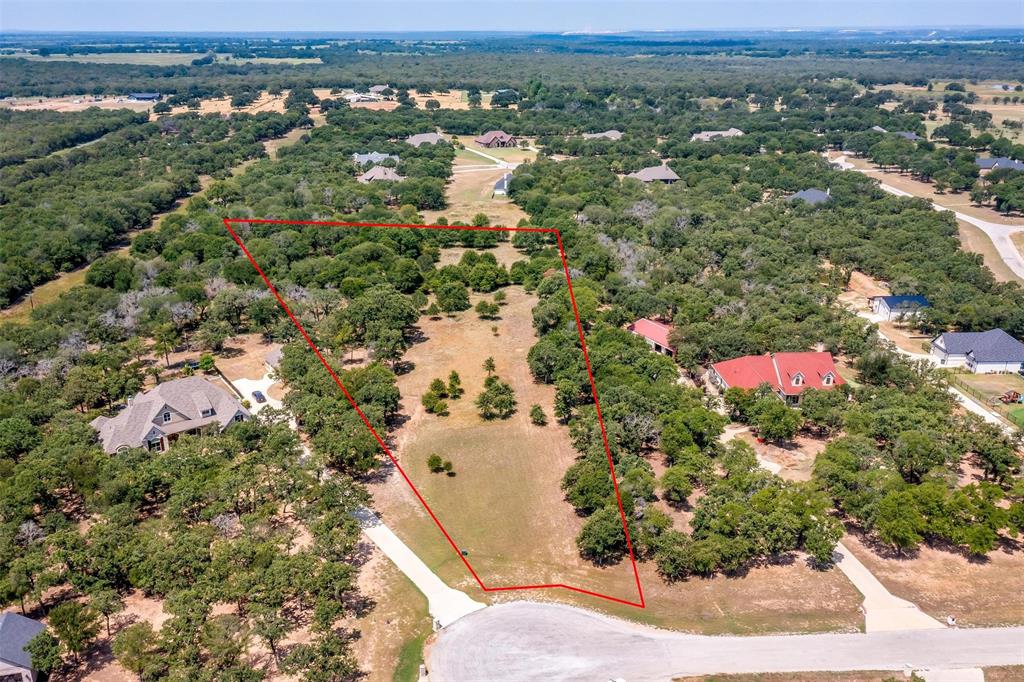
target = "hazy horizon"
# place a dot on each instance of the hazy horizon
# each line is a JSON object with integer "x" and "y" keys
{"x": 511, "y": 16}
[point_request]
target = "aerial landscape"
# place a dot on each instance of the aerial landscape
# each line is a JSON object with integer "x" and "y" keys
{"x": 601, "y": 341}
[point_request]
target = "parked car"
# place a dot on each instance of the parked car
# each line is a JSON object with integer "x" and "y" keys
{"x": 259, "y": 397}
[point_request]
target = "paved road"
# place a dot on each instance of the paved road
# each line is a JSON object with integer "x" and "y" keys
{"x": 524, "y": 641}
{"x": 445, "y": 604}
{"x": 999, "y": 233}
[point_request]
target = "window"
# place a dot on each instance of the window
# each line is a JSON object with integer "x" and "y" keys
{"x": 167, "y": 417}
{"x": 238, "y": 417}
{"x": 798, "y": 380}
{"x": 208, "y": 412}
{"x": 828, "y": 380}
{"x": 156, "y": 444}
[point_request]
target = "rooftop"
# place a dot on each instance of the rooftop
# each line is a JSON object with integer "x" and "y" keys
{"x": 995, "y": 345}
{"x": 812, "y": 196}
{"x": 779, "y": 370}
{"x": 653, "y": 330}
{"x": 15, "y": 632}
{"x": 654, "y": 173}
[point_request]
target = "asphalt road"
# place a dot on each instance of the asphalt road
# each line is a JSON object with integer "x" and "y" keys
{"x": 531, "y": 641}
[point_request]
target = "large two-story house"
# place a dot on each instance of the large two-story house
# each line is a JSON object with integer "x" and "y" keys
{"x": 788, "y": 374}
{"x": 155, "y": 419}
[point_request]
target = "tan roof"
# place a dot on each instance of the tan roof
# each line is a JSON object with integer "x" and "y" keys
{"x": 424, "y": 138}
{"x": 492, "y": 136}
{"x": 380, "y": 174}
{"x": 185, "y": 399}
{"x": 654, "y": 173}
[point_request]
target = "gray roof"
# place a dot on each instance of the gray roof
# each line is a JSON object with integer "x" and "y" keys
{"x": 273, "y": 358}
{"x": 424, "y": 138}
{"x": 907, "y": 135}
{"x": 608, "y": 135}
{"x": 708, "y": 135}
{"x": 15, "y": 632}
{"x": 999, "y": 162}
{"x": 185, "y": 399}
{"x": 995, "y": 345}
{"x": 879, "y": 129}
{"x": 380, "y": 174}
{"x": 373, "y": 157}
{"x": 377, "y": 89}
{"x": 812, "y": 196}
{"x": 654, "y": 173}
{"x": 502, "y": 184}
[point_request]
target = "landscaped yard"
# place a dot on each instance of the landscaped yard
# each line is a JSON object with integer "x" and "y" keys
{"x": 987, "y": 388}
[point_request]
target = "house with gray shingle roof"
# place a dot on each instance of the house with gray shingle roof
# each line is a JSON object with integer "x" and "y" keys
{"x": 373, "y": 157}
{"x": 998, "y": 163}
{"x": 157, "y": 418}
{"x": 380, "y": 174}
{"x": 606, "y": 135}
{"x": 980, "y": 352}
{"x": 908, "y": 135}
{"x": 708, "y": 135}
{"x": 15, "y": 632}
{"x": 424, "y": 138}
{"x": 655, "y": 174}
{"x": 501, "y": 186}
{"x": 812, "y": 196}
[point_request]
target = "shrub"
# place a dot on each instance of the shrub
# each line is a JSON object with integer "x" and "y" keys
{"x": 439, "y": 388}
{"x": 497, "y": 401}
{"x": 435, "y": 463}
{"x": 537, "y": 415}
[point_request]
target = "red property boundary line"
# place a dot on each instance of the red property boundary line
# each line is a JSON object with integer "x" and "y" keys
{"x": 593, "y": 388}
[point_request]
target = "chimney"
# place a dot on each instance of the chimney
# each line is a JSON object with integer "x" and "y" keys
{"x": 828, "y": 191}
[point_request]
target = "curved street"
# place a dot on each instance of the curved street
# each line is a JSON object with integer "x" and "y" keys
{"x": 532, "y": 641}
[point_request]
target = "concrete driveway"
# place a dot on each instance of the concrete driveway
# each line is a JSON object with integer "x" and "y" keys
{"x": 523, "y": 641}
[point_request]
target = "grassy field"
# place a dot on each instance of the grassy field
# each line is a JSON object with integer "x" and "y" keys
{"x": 505, "y": 508}
{"x": 138, "y": 58}
{"x": 512, "y": 154}
{"x": 979, "y": 593}
{"x": 974, "y": 240}
{"x": 390, "y": 646}
{"x": 470, "y": 193}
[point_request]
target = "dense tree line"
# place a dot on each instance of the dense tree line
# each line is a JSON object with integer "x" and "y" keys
{"x": 60, "y": 212}
{"x": 31, "y": 134}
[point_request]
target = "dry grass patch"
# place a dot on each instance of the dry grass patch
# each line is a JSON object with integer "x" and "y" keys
{"x": 979, "y": 593}
{"x": 974, "y": 240}
{"x": 504, "y": 505}
{"x": 470, "y": 193}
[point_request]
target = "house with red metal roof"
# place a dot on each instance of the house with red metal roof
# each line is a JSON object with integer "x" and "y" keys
{"x": 655, "y": 334}
{"x": 788, "y": 374}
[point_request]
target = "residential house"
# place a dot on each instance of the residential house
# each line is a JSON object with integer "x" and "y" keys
{"x": 655, "y": 174}
{"x": 373, "y": 157}
{"x": 272, "y": 361}
{"x": 145, "y": 96}
{"x": 655, "y": 334}
{"x": 496, "y": 138}
{"x": 980, "y": 352}
{"x": 812, "y": 196}
{"x": 898, "y": 307}
{"x": 424, "y": 138}
{"x": 986, "y": 166}
{"x": 788, "y": 374}
{"x": 879, "y": 129}
{"x": 907, "y": 135}
{"x": 357, "y": 97}
{"x": 380, "y": 174}
{"x": 157, "y": 418}
{"x": 708, "y": 135}
{"x": 15, "y": 632}
{"x": 378, "y": 89}
{"x": 606, "y": 135}
{"x": 501, "y": 186}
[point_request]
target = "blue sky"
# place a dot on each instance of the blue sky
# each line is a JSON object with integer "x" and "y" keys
{"x": 491, "y": 15}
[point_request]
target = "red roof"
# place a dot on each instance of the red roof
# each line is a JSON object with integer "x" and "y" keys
{"x": 778, "y": 371}
{"x": 655, "y": 331}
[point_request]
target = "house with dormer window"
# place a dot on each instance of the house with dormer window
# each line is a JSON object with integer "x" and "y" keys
{"x": 155, "y": 419}
{"x": 788, "y": 374}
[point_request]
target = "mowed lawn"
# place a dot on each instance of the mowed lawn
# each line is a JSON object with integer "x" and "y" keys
{"x": 989, "y": 387}
{"x": 505, "y": 507}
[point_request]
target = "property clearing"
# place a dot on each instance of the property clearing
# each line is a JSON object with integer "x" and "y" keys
{"x": 982, "y": 593}
{"x": 472, "y": 192}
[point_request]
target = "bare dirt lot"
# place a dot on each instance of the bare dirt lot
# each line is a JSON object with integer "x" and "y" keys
{"x": 73, "y": 103}
{"x": 941, "y": 583}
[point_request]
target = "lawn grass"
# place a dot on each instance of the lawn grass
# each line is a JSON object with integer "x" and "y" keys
{"x": 409, "y": 659}
{"x": 988, "y": 387}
